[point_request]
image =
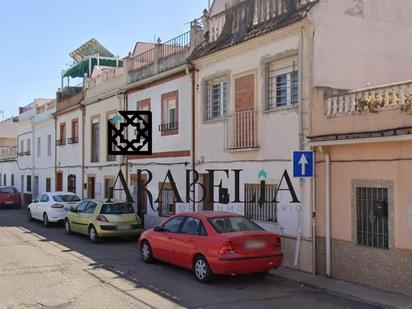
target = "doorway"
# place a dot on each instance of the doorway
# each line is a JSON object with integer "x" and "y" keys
{"x": 59, "y": 181}
{"x": 91, "y": 187}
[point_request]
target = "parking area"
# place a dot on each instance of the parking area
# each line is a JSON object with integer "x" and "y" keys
{"x": 45, "y": 267}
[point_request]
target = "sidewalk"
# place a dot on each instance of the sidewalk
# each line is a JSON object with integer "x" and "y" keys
{"x": 346, "y": 289}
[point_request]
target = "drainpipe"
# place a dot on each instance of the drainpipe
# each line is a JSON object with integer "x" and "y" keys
{"x": 301, "y": 141}
{"x": 327, "y": 210}
{"x": 83, "y": 108}
{"x": 193, "y": 134}
{"x": 313, "y": 195}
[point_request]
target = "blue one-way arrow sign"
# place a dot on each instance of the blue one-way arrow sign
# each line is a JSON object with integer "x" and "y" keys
{"x": 303, "y": 164}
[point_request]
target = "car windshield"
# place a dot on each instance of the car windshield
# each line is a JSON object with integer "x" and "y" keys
{"x": 116, "y": 209}
{"x": 66, "y": 198}
{"x": 7, "y": 190}
{"x": 233, "y": 224}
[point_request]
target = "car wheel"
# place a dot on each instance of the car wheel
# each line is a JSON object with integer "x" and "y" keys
{"x": 146, "y": 252}
{"x": 93, "y": 236}
{"x": 46, "y": 222}
{"x": 67, "y": 226}
{"x": 29, "y": 217}
{"x": 201, "y": 269}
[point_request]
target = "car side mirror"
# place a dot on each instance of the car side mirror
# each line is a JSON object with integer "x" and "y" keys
{"x": 73, "y": 209}
{"x": 157, "y": 229}
{"x": 35, "y": 201}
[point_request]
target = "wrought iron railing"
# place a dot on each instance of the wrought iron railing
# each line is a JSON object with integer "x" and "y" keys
{"x": 175, "y": 46}
{"x": 241, "y": 130}
{"x": 168, "y": 126}
{"x": 142, "y": 60}
{"x": 60, "y": 142}
{"x": 73, "y": 140}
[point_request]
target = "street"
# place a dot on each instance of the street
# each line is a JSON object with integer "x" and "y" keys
{"x": 45, "y": 268}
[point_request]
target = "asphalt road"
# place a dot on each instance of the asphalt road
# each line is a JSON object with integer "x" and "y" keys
{"x": 45, "y": 268}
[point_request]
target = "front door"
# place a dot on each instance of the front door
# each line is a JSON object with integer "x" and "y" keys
{"x": 59, "y": 181}
{"x": 90, "y": 187}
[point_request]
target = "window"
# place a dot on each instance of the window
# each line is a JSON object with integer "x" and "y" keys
{"x": 216, "y": 99}
{"x": 1, "y": 179}
{"x": 108, "y": 185}
{"x": 12, "y": 179}
{"x": 75, "y": 131}
{"x": 8, "y": 190}
{"x": 81, "y": 207}
{"x": 283, "y": 86}
{"x": 21, "y": 147}
{"x": 71, "y": 183}
{"x": 44, "y": 198}
{"x": 110, "y": 157}
{"x": 233, "y": 224}
{"x": 4, "y": 180}
{"x": 173, "y": 225}
{"x": 62, "y": 140}
{"x": 49, "y": 150}
{"x": 48, "y": 184}
{"x": 38, "y": 146}
{"x": 91, "y": 206}
{"x": 260, "y": 211}
{"x": 116, "y": 209}
{"x": 170, "y": 122}
{"x": 95, "y": 140}
{"x": 372, "y": 217}
{"x": 28, "y": 183}
{"x": 28, "y": 147}
{"x": 66, "y": 198}
{"x": 191, "y": 226}
{"x": 166, "y": 200}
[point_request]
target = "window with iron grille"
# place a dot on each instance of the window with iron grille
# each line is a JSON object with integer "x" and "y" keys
{"x": 95, "y": 142}
{"x": 283, "y": 87}
{"x": 166, "y": 203}
{"x": 216, "y": 99}
{"x": 254, "y": 209}
{"x": 12, "y": 179}
{"x": 71, "y": 183}
{"x": 372, "y": 217}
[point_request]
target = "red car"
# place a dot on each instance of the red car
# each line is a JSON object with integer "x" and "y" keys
{"x": 9, "y": 197}
{"x": 212, "y": 243}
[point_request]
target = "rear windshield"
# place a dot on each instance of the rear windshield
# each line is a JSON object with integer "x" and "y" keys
{"x": 116, "y": 209}
{"x": 66, "y": 198}
{"x": 7, "y": 190}
{"x": 233, "y": 224}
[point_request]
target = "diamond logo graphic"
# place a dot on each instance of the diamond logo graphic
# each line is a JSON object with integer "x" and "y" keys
{"x": 130, "y": 133}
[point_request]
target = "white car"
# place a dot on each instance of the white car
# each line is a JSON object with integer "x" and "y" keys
{"x": 52, "y": 206}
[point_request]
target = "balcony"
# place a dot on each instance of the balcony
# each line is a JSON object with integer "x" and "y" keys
{"x": 60, "y": 142}
{"x": 168, "y": 126}
{"x": 241, "y": 131}
{"x": 72, "y": 140}
{"x": 371, "y": 112}
{"x": 164, "y": 56}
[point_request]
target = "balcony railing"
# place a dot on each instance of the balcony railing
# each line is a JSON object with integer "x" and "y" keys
{"x": 168, "y": 126}
{"x": 72, "y": 140}
{"x": 174, "y": 46}
{"x": 142, "y": 60}
{"x": 60, "y": 142}
{"x": 241, "y": 131}
{"x": 393, "y": 96}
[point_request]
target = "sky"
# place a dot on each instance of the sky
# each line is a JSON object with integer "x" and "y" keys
{"x": 36, "y": 37}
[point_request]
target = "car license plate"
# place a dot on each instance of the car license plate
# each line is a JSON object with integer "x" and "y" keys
{"x": 255, "y": 244}
{"x": 9, "y": 203}
{"x": 124, "y": 227}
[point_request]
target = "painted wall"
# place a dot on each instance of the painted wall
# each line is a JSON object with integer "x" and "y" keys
{"x": 358, "y": 41}
{"x": 377, "y": 161}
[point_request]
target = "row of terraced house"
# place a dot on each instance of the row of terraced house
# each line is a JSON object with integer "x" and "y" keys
{"x": 250, "y": 82}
